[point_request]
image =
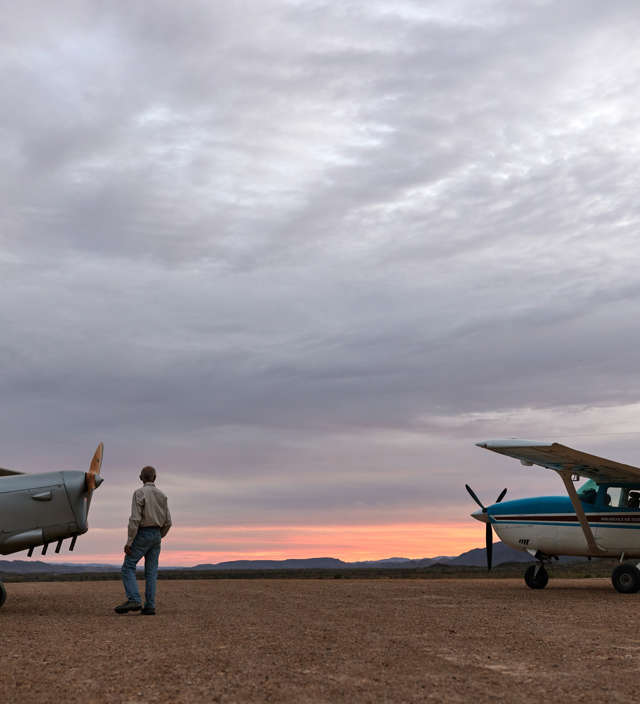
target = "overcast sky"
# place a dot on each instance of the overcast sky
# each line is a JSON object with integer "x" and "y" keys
{"x": 300, "y": 256}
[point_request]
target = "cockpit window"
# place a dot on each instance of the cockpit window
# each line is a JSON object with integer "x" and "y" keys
{"x": 613, "y": 497}
{"x": 619, "y": 497}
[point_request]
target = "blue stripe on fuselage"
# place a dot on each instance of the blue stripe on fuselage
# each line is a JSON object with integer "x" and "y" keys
{"x": 546, "y": 505}
{"x": 538, "y": 504}
{"x": 542, "y": 522}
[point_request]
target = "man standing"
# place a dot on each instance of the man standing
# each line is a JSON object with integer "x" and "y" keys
{"x": 149, "y": 523}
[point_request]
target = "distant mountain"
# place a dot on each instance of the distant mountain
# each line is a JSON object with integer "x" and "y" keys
{"x": 292, "y": 564}
{"x": 478, "y": 556}
{"x": 36, "y": 566}
{"x": 472, "y": 558}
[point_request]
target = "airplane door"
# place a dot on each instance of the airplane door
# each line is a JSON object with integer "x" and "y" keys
{"x": 621, "y": 533}
{"x": 616, "y": 540}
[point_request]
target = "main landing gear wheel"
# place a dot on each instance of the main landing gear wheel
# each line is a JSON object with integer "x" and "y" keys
{"x": 626, "y": 578}
{"x": 3, "y": 594}
{"x": 536, "y": 577}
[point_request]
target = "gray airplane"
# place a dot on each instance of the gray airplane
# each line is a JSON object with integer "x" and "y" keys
{"x": 39, "y": 509}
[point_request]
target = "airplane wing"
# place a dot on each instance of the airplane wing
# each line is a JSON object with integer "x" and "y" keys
{"x": 556, "y": 456}
{"x": 8, "y": 472}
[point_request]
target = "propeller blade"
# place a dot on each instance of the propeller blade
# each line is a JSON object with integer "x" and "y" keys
{"x": 92, "y": 477}
{"x": 474, "y": 497}
{"x": 502, "y": 493}
{"x": 94, "y": 468}
{"x": 489, "y": 539}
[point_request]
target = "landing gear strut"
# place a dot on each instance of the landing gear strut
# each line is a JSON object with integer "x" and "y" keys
{"x": 626, "y": 578}
{"x": 3, "y": 594}
{"x": 536, "y": 577}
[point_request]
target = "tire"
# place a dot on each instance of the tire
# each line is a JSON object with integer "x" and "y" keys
{"x": 3, "y": 594}
{"x": 537, "y": 580}
{"x": 626, "y": 578}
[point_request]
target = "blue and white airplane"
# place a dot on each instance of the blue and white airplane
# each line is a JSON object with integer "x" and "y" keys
{"x": 601, "y": 518}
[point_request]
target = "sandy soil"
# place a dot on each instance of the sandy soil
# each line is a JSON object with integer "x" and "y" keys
{"x": 322, "y": 641}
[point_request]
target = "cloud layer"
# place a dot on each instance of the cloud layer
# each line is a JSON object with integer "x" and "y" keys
{"x": 300, "y": 255}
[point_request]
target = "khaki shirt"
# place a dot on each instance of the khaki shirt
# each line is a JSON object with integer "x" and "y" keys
{"x": 149, "y": 507}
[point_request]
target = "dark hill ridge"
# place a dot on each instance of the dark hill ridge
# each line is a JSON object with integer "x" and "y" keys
{"x": 291, "y": 564}
{"x": 478, "y": 556}
{"x": 36, "y": 566}
{"x": 472, "y": 558}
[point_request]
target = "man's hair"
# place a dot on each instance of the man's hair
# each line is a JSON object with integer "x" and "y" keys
{"x": 148, "y": 474}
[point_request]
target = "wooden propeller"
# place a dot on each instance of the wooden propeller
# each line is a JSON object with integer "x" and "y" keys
{"x": 93, "y": 475}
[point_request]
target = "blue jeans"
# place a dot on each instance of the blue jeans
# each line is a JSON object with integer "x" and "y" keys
{"x": 146, "y": 544}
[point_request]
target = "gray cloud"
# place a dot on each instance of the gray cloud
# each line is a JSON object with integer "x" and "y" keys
{"x": 250, "y": 240}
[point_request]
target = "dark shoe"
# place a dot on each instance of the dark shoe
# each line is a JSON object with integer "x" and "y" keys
{"x": 128, "y": 606}
{"x": 149, "y": 611}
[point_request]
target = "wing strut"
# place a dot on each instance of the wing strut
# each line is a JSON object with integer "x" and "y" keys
{"x": 565, "y": 475}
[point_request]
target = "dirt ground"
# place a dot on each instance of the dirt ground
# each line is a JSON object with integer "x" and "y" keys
{"x": 322, "y": 641}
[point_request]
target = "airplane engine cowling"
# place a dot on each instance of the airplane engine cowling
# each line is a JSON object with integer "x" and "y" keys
{"x": 37, "y": 509}
{"x": 15, "y": 542}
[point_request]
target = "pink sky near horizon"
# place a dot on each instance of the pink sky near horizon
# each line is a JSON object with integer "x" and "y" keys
{"x": 187, "y": 546}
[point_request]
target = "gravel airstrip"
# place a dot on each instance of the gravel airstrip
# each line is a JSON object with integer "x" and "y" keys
{"x": 345, "y": 640}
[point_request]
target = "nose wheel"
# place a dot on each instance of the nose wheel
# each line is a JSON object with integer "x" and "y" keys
{"x": 536, "y": 577}
{"x": 3, "y": 594}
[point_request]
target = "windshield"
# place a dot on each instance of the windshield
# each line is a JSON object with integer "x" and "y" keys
{"x": 589, "y": 484}
{"x": 588, "y": 491}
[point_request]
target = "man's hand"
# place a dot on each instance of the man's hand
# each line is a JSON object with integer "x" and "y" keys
{"x": 127, "y": 549}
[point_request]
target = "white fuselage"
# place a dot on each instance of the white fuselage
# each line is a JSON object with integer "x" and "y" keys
{"x": 612, "y": 536}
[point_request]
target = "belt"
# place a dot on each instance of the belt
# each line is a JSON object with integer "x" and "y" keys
{"x": 158, "y": 527}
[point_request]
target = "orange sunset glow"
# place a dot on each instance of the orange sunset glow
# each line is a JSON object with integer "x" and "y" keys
{"x": 187, "y": 546}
